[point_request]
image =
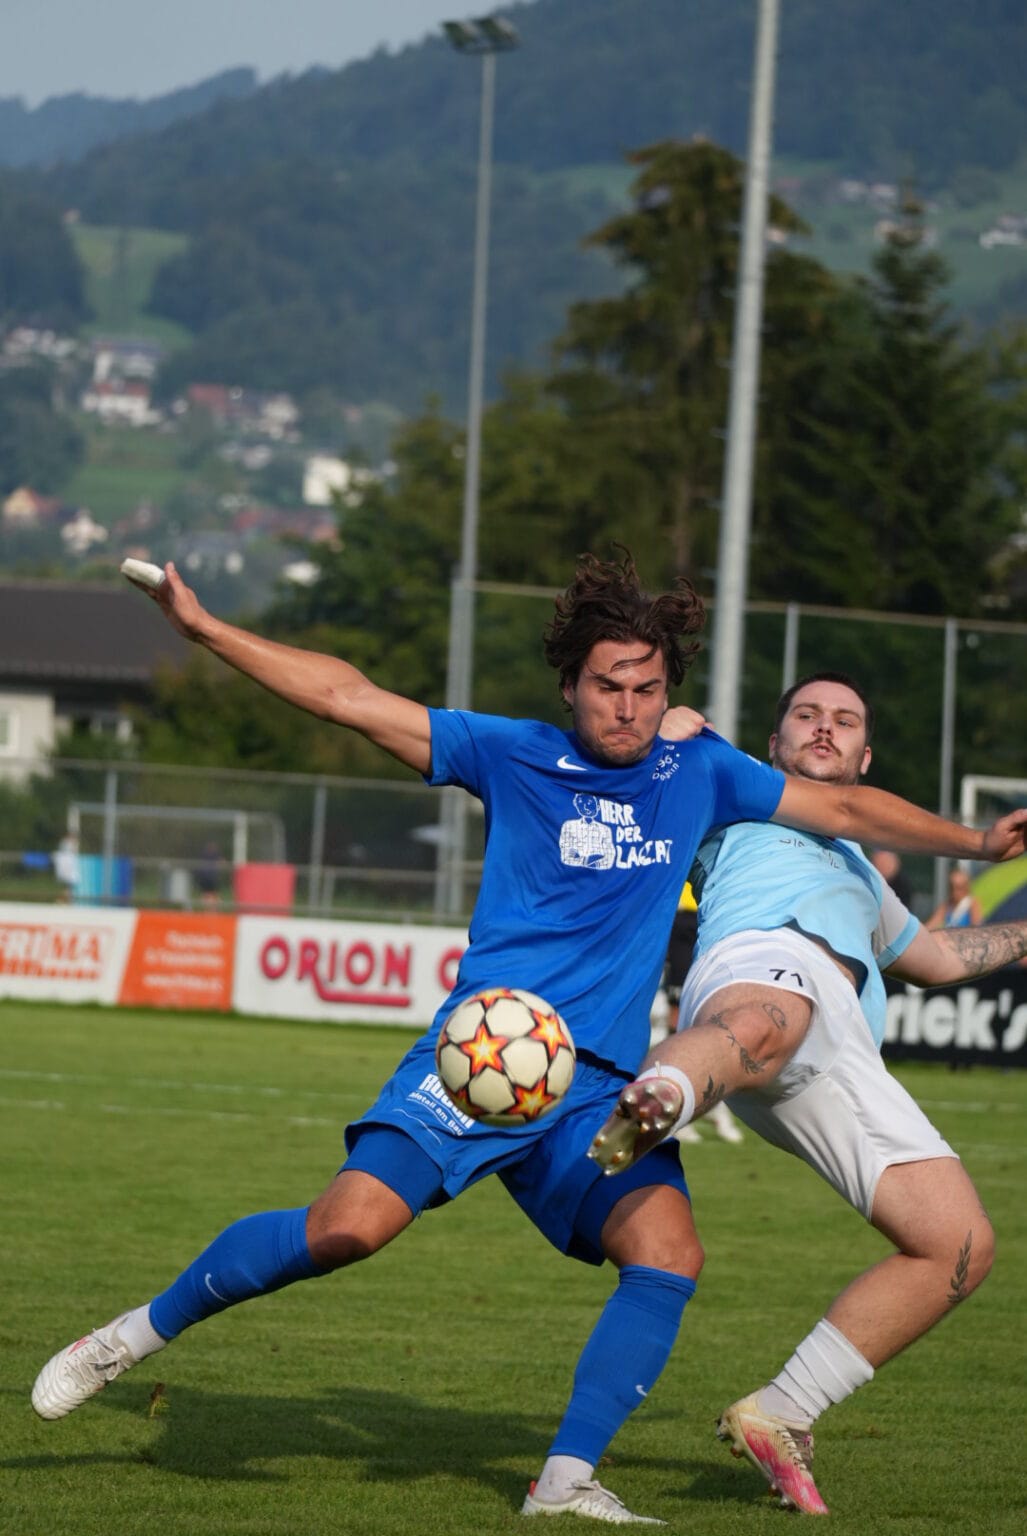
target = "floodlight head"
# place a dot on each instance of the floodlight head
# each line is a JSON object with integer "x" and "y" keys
{"x": 501, "y": 35}
{"x": 485, "y": 34}
{"x": 462, "y": 34}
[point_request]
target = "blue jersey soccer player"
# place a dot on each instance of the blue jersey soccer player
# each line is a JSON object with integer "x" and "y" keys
{"x": 589, "y": 836}
{"x": 787, "y": 1013}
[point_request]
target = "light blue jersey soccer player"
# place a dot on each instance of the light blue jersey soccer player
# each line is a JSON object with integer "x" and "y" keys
{"x": 788, "y": 1012}
{"x": 589, "y": 836}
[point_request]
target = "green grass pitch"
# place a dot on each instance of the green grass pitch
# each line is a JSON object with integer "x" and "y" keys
{"x": 417, "y": 1393}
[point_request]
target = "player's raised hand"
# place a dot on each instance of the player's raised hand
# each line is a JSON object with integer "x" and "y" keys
{"x": 1007, "y": 837}
{"x": 681, "y": 723}
{"x": 179, "y": 603}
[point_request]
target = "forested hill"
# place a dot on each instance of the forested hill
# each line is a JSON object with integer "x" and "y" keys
{"x": 64, "y": 128}
{"x": 330, "y": 215}
{"x": 921, "y": 87}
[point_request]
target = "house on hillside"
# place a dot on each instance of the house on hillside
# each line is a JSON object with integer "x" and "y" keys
{"x": 126, "y": 401}
{"x": 25, "y": 341}
{"x": 82, "y": 533}
{"x": 310, "y": 524}
{"x": 74, "y": 654}
{"x": 243, "y": 410}
{"x": 125, "y": 357}
{"x": 26, "y": 508}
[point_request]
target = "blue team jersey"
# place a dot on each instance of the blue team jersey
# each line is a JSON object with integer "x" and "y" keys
{"x": 767, "y": 877}
{"x": 584, "y": 864}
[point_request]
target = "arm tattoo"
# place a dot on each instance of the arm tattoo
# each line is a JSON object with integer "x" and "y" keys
{"x": 751, "y": 1065}
{"x": 984, "y": 949}
{"x": 958, "y": 1285}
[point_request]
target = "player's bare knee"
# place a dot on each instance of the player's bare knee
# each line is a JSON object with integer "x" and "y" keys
{"x": 961, "y": 1252}
{"x": 337, "y": 1250}
{"x": 972, "y": 1260}
{"x": 684, "y": 1257}
{"x": 355, "y": 1216}
{"x": 754, "y": 1031}
{"x": 654, "y": 1227}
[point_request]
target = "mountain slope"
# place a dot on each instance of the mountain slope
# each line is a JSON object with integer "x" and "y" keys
{"x": 331, "y": 215}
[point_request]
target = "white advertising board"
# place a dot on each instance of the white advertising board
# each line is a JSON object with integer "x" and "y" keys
{"x": 63, "y": 954}
{"x": 369, "y": 972}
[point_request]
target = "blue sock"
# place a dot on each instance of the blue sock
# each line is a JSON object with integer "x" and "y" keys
{"x": 627, "y": 1350}
{"x": 250, "y": 1258}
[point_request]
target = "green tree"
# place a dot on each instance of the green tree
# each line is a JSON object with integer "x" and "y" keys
{"x": 645, "y": 373}
{"x": 41, "y": 279}
{"x": 893, "y": 482}
{"x": 888, "y": 474}
{"x": 38, "y": 446}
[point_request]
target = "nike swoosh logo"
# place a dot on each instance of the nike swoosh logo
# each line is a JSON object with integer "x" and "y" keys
{"x": 565, "y": 762}
{"x": 641, "y": 1390}
{"x": 213, "y": 1292}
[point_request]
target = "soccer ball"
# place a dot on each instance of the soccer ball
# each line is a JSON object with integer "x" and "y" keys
{"x": 505, "y": 1057}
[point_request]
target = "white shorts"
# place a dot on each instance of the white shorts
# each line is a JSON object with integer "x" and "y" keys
{"x": 834, "y": 1104}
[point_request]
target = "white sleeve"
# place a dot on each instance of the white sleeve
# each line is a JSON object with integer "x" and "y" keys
{"x": 896, "y": 928}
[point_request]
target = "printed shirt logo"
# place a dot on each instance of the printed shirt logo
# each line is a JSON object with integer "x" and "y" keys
{"x": 565, "y": 762}
{"x": 666, "y": 764}
{"x": 605, "y": 835}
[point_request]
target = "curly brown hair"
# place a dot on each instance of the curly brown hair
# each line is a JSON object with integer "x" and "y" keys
{"x": 605, "y": 601}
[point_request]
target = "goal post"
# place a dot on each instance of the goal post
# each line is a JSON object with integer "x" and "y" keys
{"x": 983, "y": 798}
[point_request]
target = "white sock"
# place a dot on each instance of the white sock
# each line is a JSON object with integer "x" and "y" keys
{"x": 557, "y": 1479}
{"x": 661, "y": 1069}
{"x": 825, "y": 1369}
{"x": 137, "y": 1332}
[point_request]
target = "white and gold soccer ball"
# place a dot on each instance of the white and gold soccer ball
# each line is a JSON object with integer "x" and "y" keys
{"x": 505, "y": 1056}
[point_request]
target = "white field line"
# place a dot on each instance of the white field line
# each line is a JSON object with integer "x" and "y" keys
{"x": 86, "y": 1079}
{"x": 970, "y": 1107}
{"x": 57, "y": 1106}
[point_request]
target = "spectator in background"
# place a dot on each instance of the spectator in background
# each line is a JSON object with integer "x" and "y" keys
{"x": 66, "y": 866}
{"x": 889, "y": 867}
{"x": 209, "y": 875}
{"x": 960, "y": 909}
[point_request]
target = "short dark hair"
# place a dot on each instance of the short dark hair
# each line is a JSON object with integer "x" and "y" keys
{"x": 605, "y": 601}
{"x": 784, "y": 703}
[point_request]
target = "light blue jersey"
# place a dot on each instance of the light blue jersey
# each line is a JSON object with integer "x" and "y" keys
{"x": 757, "y": 875}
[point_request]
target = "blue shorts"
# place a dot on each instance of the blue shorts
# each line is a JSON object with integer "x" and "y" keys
{"x": 418, "y": 1143}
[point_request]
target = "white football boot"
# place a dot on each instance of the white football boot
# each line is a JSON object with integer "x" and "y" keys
{"x": 78, "y": 1372}
{"x": 590, "y": 1499}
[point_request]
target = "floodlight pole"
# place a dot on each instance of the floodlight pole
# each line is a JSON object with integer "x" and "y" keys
{"x": 736, "y": 502}
{"x": 460, "y": 684}
{"x": 487, "y": 37}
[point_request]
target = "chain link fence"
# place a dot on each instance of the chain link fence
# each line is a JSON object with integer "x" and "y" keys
{"x": 157, "y": 836}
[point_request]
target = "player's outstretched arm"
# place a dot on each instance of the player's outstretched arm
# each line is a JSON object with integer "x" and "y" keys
{"x": 323, "y": 685}
{"x": 867, "y": 815}
{"x": 939, "y": 956}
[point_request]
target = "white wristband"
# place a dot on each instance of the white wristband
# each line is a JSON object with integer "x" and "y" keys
{"x": 675, "y": 1075}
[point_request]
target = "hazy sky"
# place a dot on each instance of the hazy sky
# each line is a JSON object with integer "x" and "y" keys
{"x": 144, "y": 48}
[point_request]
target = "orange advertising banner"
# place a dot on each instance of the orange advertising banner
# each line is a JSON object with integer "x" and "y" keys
{"x": 180, "y": 960}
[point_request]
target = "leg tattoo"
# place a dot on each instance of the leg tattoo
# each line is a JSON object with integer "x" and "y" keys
{"x": 750, "y": 1065}
{"x": 775, "y": 1015}
{"x": 958, "y": 1285}
{"x": 711, "y": 1095}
